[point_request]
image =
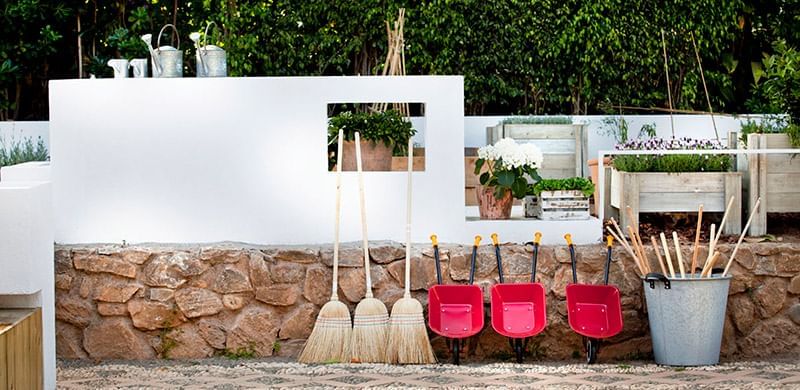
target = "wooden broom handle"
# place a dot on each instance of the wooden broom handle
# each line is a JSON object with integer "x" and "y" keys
{"x": 741, "y": 237}
{"x": 335, "y": 285}
{"x": 407, "y": 293}
{"x": 667, "y": 256}
{"x": 361, "y": 203}
{"x": 696, "y": 247}
{"x": 678, "y": 253}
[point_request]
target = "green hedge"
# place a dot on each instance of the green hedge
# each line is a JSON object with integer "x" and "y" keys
{"x": 523, "y": 57}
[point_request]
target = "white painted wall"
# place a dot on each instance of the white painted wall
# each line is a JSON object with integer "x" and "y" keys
{"x": 26, "y": 258}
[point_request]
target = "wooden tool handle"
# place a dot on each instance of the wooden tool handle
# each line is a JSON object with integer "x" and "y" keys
{"x": 696, "y": 247}
{"x": 678, "y": 253}
{"x": 335, "y": 285}
{"x": 741, "y": 237}
{"x": 667, "y": 256}
{"x": 361, "y": 203}
{"x": 656, "y": 249}
{"x": 407, "y": 293}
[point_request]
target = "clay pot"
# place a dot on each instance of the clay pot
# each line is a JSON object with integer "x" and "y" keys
{"x": 375, "y": 156}
{"x": 491, "y": 207}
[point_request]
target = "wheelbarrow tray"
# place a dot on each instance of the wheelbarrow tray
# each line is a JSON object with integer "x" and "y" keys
{"x": 594, "y": 310}
{"x": 455, "y": 311}
{"x": 518, "y": 310}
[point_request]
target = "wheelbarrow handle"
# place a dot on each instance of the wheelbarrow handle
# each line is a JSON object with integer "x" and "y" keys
{"x": 568, "y": 237}
{"x": 474, "y": 259}
{"x": 435, "y": 242}
{"x": 496, "y": 244}
{"x": 610, "y": 241}
{"x": 537, "y": 238}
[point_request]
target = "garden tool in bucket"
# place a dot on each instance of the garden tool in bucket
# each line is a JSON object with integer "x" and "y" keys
{"x": 518, "y": 310}
{"x": 167, "y": 60}
{"x": 594, "y": 311}
{"x": 211, "y": 59}
{"x": 455, "y": 311}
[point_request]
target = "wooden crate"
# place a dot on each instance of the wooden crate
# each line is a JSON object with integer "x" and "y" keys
{"x": 773, "y": 177}
{"x": 560, "y": 206}
{"x": 400, "y": 163}
{"x": 21, "y": 363}
{"x": 657, "y": 192}
{"x": 564, "y": 146}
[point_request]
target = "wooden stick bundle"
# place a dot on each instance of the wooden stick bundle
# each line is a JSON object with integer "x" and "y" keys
{"x": 696, "y": 240}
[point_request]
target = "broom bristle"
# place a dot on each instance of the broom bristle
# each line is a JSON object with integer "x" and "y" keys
{"x": 329, "y": 342}
{"x": 408, "y": 336}
{"x": 370, "y": 322}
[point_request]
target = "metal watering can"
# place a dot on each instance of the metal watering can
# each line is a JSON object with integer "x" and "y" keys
{"x": 167, "y": 60}
{"x": 211, "y": 60}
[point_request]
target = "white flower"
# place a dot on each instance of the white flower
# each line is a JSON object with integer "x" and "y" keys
{"x": 512, "y": 154}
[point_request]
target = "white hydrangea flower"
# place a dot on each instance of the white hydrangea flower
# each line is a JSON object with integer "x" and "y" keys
{"x": 512, "y": 154}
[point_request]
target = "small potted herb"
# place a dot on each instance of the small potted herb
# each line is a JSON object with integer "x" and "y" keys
{"x": 560, "y": 199}
{"x": 382, "y": 134}
{"x": 508, "y": 166}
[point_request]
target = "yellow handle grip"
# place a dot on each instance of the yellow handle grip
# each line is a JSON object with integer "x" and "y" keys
{"x": 494, "y": 239}
{"x": 568, "y": 237}
{"x": 610, "y": 240}
{"x": 537, "y": 238}
{"x": 434, "y": 240}
{"x": 477, "y": 240}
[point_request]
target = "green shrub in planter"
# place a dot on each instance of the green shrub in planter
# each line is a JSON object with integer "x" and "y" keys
{"x": 388, "y": 127}
{"x": 671, "y": 162}
{"x": 571, "y": 184}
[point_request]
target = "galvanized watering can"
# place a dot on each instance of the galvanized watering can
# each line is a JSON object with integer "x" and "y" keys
{"x": 167, "y": 60}
{"x": 211, "y": 60}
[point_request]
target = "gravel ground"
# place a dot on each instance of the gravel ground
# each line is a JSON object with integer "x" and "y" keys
{"x": 220, "y": 373}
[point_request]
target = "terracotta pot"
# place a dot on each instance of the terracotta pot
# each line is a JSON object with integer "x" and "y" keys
{"x": 375, "y": 156}
{"x": 491, "y": 207}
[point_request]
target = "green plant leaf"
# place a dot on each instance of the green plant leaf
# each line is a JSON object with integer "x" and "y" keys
{"x": 484, "y": 178}
{"x": 478, "y": 165}
{"x": 506, "y": 178}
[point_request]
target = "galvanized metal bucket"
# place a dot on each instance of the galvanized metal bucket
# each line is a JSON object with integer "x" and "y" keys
{"x": 687, "y": 317}
{"x": 168, "y": 60}
{"x": 211, "y": 59}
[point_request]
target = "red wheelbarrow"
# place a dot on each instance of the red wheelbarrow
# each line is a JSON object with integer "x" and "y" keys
{"x": 594, "y": 311}
{"x": 518, "y": 310}
{"x": 455, "y": 311}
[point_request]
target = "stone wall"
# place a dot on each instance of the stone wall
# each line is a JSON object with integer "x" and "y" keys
{"x": 196, "y": 301}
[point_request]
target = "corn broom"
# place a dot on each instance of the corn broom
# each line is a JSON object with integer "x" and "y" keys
{"x": 368, "y": 342}
{"x": 408, "y": 335}
{"x": 330, "y": 339}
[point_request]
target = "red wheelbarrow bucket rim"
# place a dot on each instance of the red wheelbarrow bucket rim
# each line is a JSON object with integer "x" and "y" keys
{"x": 594, "y": 310}
{"x": 518, "y": 310}
{"x": 455, "y": 311}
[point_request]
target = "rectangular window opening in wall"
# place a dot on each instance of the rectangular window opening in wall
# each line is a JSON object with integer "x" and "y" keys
{"x": 384, "y": 129}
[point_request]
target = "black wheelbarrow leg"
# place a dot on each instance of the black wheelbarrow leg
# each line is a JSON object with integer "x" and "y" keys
{"x": 456, "y": 351}
{"x": 592, "y": 347}
{"x": 519, "y": 350}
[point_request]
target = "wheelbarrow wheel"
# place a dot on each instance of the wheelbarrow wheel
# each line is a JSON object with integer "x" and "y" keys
{"x": 592, "y": 346}
{"x": 455, "y": 351}
{"x": 519, "y": 350}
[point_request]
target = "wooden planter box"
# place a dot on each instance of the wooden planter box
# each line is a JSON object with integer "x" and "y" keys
{"x": 655, "y": 192}
{"x": 21, "y": 363}
{"x": 773, "y": 177}
{"x": 564, "y": 146}
{"x": 558, "y": 206}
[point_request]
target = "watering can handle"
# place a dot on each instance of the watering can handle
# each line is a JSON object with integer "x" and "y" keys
{"x": 205, "y": 34}
{"x": 158, "y": 43}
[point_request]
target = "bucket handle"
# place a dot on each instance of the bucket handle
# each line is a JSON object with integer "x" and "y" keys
{"x": 654, "y": 277}
{"x": 175, "y": 30}
{"x": 496, "y": 244}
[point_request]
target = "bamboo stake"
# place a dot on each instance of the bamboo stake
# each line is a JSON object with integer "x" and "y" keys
{"x": 669, "y": 91}
{"x": 696, "y": 240}
{"x": 637, "y": 240}
{"x": 638, "y": 251}
{"x": 624, "y": 245}
{"x": 711, "y": 245}
{"x": 710, "y": 266}
{"x": 715, "y": 237}
{"x": 705, "y": 87}
{"x": 666, "y": 254}
{"x": 621, "y": 234}
{"x": 678, "y": 254}
{"x": 658, "y": 254}
{"x": 741, "y": 237}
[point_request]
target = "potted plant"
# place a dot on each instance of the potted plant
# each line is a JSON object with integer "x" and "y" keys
{"x": 560, "y": 199}
{"x": 674, "y": 182}
{"x": 780, "y": 172}
{"x": 508, "y": 163}
{"x": 382, "y": 134}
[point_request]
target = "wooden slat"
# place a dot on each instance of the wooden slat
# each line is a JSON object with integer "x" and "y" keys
{"x": 539, "y": 131}
{"x": 3, "y": 361}
{"x": 782, "y": 202}
{"x": 776, "y": 141}
{"x": 683, "y": 182}
{"x": 553, "y": 146}
{"x": 733, "y": 188}
{"x": 21, "y": 363}
{"x": 651, "y": 202}
{"x": 565, "y": 204}
{"x": 783, "y": 163}
{"x": 784, "y": 183}
{"x": 630, "y": 198}
{"x": 400, "y": 163}
{"x": 556, "y": 173}
{"x": 559, "y": 161}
